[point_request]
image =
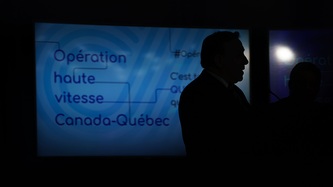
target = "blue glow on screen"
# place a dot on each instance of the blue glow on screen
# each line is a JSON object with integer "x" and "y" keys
{"x": 106, "y": 90}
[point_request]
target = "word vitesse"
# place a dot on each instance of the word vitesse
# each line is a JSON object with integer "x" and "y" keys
{"x": 67, "y": 97}
{"x": 76, "y": 79}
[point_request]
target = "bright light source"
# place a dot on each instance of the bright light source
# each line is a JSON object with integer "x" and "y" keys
{"x": 284, "y": 54}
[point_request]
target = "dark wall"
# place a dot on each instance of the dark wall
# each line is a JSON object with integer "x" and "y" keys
{"x": 235, "y": 13}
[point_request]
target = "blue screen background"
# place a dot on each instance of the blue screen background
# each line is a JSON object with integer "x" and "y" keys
{"x": 139, "y": 72}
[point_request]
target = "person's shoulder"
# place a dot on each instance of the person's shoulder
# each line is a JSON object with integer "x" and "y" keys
{"x": 326, "y": 108}
{"x": 202, "y": 80}
{"x": 281, "y": 102}
{"x": 193, "y": 87}
{"x": 279, "y": 106}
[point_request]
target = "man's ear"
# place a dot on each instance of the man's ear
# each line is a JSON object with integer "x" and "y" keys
{"x": 218, "y": 61}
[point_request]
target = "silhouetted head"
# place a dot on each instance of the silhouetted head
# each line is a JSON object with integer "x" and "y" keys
{"x": 304, "y": 82}
{"x": 223, "y": 53}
